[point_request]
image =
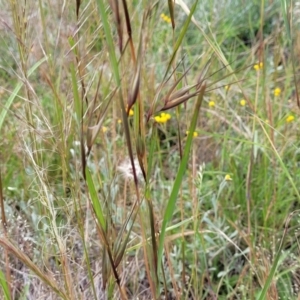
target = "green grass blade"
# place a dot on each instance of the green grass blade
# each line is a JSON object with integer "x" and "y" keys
{"x": 181, "y": 36}
{"x": 281, "y": 162}
{"x": 285, "y": 6}
{"x": 180, "y": 174}
{"x": 263, "y": 293}
{"x": 277, "y": 257}
{"x": 16, "y": 91}
{"x": 77, "y": 102}
{"x": 109, "y": 40}
{"x": 95, "y": 201}
{"x": 211, "y": 41}
{"x": 116, "y": 74}
{"x": 4, "y": 286}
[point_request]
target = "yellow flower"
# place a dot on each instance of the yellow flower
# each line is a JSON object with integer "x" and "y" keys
{"x": 227, "y": 87}
{"x": 119, "y": 121}
{"x": 195, "y": 133}
{"x": 165, "y": 18}
{"x": 243, "y": 102}
{"x": 290, "y": 119}
{"x": 228, "y": 177}
{"x": 258, "y": 66}
{"x": 163, "y": 118}
{"x": 211, "y": 104}
{"x": 277, "y": 91}
{"x": 130, "y": 112}
{"x": 104, "y": 129}
{"x": 166, "y": 116}
{"x": 157, "y": 119}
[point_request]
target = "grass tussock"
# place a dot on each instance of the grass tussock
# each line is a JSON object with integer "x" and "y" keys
{"x": 149, "y": 150}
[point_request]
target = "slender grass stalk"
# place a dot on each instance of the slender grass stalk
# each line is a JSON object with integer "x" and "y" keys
{"x": 5, "y": 287}
{"x": 274, "y": 267}
{"x": 5, "y": 281}
{"x": 179, "y": 177}
{"x": 286, "y": 6}
{"x": 15, "y": 92}
{"x": 27, "y": 261}
{"x": 122, "y": 64}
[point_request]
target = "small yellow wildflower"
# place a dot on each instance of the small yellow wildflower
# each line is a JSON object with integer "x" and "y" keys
{"x": 157, "y": 119}
{"x": 119, "y": 121}
{"x": 228, "y": 177}
{"x": 131, "y": 113}
{"x": 227, "y": 87}
{"x": 290, "y": 119}
{"x": 195, "y": 133}
{"x": 165, "y": 18}
{"x": 277, "y": 92}
{"x": 166, "y": 116}
{"x": 243, "y": 102}
{"x": 211, "y": 104}
{"x": 163, "y": 118}
{"x": 104, "y": 129}
{"x": 258, "y": 66}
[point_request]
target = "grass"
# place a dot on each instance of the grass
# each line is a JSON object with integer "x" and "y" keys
{"x": 149, "y": 150}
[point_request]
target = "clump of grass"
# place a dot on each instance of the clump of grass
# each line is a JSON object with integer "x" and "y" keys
{"x": 150, "y": 151}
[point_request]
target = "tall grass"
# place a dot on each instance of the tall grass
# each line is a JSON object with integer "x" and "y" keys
{"x": 149, "y": 150}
